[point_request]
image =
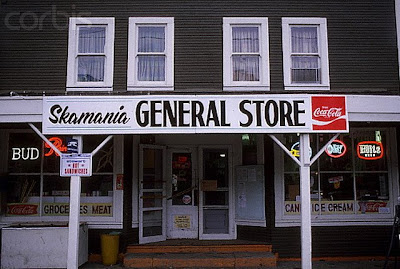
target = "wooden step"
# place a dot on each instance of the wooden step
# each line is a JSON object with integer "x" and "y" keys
{"x": 199, "y": 248}
{"x": 203, "y": 260}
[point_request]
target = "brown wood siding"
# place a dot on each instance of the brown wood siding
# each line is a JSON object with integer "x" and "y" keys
{"x": 334, "y": 241}
{"x": 361, "y": 39}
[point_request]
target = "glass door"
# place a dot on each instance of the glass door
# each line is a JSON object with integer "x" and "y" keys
{"x": 182, "y": 201}
{"x": 216, "y": 219}
{"x": 152, "y": 194}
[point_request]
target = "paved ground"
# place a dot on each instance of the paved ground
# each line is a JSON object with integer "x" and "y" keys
{"x": 296, "y": 265}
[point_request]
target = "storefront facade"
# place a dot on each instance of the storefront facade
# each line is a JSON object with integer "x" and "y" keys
{"x": 191, "y": 112}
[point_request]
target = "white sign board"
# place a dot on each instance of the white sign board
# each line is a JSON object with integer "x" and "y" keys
{"x": 76, "y": 165}
{"x": 291, "y": 113}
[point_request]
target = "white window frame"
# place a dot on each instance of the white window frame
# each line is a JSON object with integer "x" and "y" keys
{"x": 94, "y": 222}
{"x": 322, "y": 51}
{"x": 133, "y": 83}
{"x": 264, "y": 83}
{"x": 72, "y": 68}
{"x": 282, "y": 220}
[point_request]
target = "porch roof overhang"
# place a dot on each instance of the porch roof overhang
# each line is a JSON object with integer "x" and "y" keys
{"x": 361, "y": 108}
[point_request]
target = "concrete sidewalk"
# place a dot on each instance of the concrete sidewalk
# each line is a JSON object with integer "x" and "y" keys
{"x": 296, "y": 265}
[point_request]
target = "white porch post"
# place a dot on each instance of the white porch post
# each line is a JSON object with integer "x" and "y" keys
{"x": 306, "y": 246}
{"x": 74, "y": 214}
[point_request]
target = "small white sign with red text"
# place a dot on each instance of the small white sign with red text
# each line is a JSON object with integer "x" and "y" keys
{"x": 76, "y": 165}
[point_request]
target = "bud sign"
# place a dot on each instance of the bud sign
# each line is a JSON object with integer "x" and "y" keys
{"x": 370, "y": 150}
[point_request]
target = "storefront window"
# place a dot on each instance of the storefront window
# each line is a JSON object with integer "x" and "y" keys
{"x": 350, "y": 177}
{"x": 34, "y": 186}
{"x": 249, "y": 149}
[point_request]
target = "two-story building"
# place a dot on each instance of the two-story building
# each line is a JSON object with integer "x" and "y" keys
{"x": 191, "y": 91}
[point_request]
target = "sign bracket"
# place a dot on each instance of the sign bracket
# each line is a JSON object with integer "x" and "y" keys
{"x": 304, "y": 168}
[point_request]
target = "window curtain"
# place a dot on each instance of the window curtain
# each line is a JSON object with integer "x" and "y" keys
{"x": 304, "y": 40}
{"x": 151, "y": 39}
{"x": 245, "y": 41}
{"x": 305, "y": 68}
{"x": 91, "y": 40}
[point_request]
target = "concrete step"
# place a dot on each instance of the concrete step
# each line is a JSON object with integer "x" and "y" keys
{"x": 200, "y": 260}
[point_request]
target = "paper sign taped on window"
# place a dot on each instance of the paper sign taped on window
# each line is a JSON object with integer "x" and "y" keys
{"x": 182, "y": 221}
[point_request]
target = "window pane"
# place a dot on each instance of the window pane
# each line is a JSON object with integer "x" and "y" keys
{"x": 152, "y": 199}
{"x": 215, "y": 165}
{"x": 91, "y": 68}
{"x": 305, "y": 69}
{"x": 181, "y": 178}
{"x": 292, "y": 187}
{"x": 337, "y": 186}
{"x": 245, "y": 39}
{"x": 151, "y": 39}
{"x": 92, "y": 39}
{"x": 372, "y": 193}
{"x": 152, "y": 169}
{"x": 152, "y": 223}
{"x": 151, "y": 68}
{"x": 246, "y": 68}
{"x": 342, "y": 163}
{"x": 103, "y": 160}
{"x": 216, "y": 221}
{"x": 304, "y": 40}
{"x": 22, "y": 196}
{"x": 370, "y": 140}
{"x": 216, "y": 198}
{"x": 24, "y": 153}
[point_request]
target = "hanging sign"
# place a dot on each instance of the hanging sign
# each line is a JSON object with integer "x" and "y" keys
{"x": 370, "y": 150}
{"x": 76, "y": 165}
{"x": 290, "y": 113}
{"x": 336, "y": 149}
{"x": 72, "y": 145}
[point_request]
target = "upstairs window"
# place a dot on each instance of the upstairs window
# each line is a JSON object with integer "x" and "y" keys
{"x": 151, "y": 54}
{"x": 305, "y": 53}
{"x": 90, "y": 54}
{"x": 246, "y": 59}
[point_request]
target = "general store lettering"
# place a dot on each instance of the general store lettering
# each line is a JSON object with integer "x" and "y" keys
{"x": 181, "y": 114}
{"x": 284, "y": 113}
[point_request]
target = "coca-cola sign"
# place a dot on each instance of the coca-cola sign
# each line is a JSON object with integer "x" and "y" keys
{"x": 329, "y": 113}
{"x": 22, "y": 209}
{"x": 370, "y": 206}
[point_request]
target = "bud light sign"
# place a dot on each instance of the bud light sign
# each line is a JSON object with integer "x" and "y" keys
{"x": 370, "y": 150}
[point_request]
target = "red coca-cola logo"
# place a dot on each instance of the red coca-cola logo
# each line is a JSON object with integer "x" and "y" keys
{"x": 22, "y": 209}
{"x": 329, "y": 113}
{"x": 371, "y": 207}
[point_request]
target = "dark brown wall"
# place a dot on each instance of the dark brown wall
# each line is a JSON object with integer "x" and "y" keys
{"x": 361, "y": 38}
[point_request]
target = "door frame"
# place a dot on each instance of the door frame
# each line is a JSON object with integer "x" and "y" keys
{"x": 163, "y": 236}
{"x": 231, "y": 205}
